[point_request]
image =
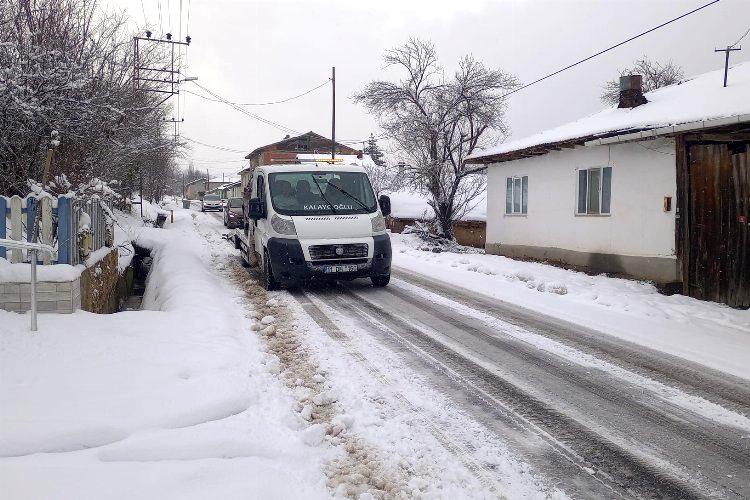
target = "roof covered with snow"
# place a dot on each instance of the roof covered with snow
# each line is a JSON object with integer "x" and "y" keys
{"x": 407, "y": 204}
{"x": 697, "y": 99}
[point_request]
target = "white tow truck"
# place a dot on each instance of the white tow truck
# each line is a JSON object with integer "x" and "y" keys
{"x": 312, "y": 221}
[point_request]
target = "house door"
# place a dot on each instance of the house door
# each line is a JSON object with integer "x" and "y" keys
{"x": 718, "y": 266}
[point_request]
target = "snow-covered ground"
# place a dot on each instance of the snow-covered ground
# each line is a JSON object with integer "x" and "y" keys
{"x": 218, "y": 389}
{"x": 175, "y": 401}
{"x": 705, "y": 332}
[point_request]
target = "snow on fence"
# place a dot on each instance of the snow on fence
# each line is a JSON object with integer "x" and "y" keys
{"x": 66, "y": 223}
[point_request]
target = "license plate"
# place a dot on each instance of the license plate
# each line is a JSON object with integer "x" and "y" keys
{"x": 339, "y": 269}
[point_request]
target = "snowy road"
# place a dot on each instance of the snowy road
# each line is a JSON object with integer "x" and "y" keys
{"x": 590, "y": 414}
{"x": 593, "y": 426}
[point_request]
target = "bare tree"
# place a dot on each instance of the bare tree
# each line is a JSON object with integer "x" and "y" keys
{"x": 655, "y": 75}
{"x": 436, "y": 122}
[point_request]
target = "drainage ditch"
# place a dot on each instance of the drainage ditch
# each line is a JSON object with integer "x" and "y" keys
{"x": 141, "y": 265}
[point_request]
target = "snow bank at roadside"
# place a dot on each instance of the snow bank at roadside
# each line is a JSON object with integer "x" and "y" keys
{"x": 21, "y": 272}
{"x": 169, "y": 402}
{"x": 705, "y": 332}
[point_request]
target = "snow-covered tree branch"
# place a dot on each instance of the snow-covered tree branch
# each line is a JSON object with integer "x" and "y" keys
{"x": 66, "y": 65}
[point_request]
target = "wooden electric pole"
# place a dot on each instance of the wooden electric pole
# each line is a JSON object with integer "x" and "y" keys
{"x": 333, "y": 113}
{"x": 726, "y": 60}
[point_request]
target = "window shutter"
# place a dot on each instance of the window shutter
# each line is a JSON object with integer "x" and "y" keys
{"x": 508, "y": 195}
{"x": 606, "y": 189}
{"x": 524, "y": 193}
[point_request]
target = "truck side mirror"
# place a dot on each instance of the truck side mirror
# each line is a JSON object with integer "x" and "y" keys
{"x": 256, "y": 209}
{"x": 385, "y": 205}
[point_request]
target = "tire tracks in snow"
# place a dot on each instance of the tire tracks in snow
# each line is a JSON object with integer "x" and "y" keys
{"x": 362, "y": 469}
{"x": 620, "y": 462}
{"x": 692, "y": 378}
{"x": 484, "y": 475}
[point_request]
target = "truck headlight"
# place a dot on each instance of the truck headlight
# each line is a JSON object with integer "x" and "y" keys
{"x": 378, "y": 224}
{"x": 283, "y": 226}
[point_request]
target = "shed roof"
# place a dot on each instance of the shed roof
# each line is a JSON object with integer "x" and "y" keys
{"x": 701, "y": 98}
{"x": 309, "y": 135}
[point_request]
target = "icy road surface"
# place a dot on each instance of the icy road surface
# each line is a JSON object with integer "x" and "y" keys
{"x": 527, "y": 404}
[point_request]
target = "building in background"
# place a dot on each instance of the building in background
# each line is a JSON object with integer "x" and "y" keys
{"x": 194, "y": 190}
{"x": 656, "y": 188}
{"x": 288, "y": 149}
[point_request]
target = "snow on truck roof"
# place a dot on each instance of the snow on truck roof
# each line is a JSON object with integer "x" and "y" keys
{"x": 702, "y": 98}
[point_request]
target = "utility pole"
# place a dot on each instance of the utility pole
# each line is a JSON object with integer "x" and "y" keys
{"x": 333, "y": 113}
{"x": 141, "y": 174}
{"x": 726, "y": 60}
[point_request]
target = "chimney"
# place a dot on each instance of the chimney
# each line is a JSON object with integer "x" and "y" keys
{"x": 631, "y": 91}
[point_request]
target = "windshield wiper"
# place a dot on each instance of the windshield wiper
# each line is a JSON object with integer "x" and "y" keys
{"x": 322, "y": 195}
{"x": 361, "y": 203}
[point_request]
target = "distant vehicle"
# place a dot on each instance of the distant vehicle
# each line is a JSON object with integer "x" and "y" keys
{"x": 233, "y": 213}
{"x": 211, "y": 202}
{"x": 315, "y": 221}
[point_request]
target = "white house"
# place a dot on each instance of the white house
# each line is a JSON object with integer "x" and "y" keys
{"x": 657, "y": 188}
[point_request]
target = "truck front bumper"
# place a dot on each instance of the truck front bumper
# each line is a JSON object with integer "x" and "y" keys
{"x": 289, "y": 265}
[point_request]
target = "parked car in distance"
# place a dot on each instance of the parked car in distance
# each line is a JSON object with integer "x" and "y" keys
{"x": 211, "y": 202}
{"x": 233, "y": 213}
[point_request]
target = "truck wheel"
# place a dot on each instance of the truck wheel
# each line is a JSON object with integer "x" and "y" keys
{"x": 380, "y": 280}
{"x": 269, "y": 282}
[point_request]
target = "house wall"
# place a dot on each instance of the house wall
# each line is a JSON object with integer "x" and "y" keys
{"x": 637, "y": 239}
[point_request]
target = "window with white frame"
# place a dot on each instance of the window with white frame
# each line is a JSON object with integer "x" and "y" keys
{"x": 594, "y": 191}
{"x": 516, "y": 195}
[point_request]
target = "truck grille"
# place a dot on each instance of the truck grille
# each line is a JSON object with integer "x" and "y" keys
{"x": 347, "y": 251}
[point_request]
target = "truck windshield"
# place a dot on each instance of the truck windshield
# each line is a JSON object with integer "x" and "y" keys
{"x": 321, "y": 193}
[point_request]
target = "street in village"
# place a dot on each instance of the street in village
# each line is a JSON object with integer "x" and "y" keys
{"x": 510, "y": 259}
{"x": 418, "y": 389}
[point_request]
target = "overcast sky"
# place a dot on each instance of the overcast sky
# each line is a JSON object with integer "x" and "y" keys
{"x": 250, "y": 51}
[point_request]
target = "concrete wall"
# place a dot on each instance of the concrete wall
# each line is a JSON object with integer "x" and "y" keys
{"x": 99, "y": 285}
{"x": 98, "y": 289}
{"x": 62, "y": 297}
{"x": 637, "y": 238}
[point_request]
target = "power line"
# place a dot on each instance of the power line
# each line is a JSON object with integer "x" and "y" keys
{"x": 144, "y": 13}
{"x": 220, "y": 148}
{"x": 740, "y": 39}
{"x": 187, "y": 24}
{"x": 609, "y": 48}
{"x": 161, "y": 25}
{"x": 279, "y": 126}
{"x": 262, "y": 103}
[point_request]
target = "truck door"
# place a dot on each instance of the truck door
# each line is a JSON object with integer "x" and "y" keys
{"x": 259, "y": 227}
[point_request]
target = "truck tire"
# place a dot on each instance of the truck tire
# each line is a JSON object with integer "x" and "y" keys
{"x": 380, "y": 280}
{"x": 269, "y": 282}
